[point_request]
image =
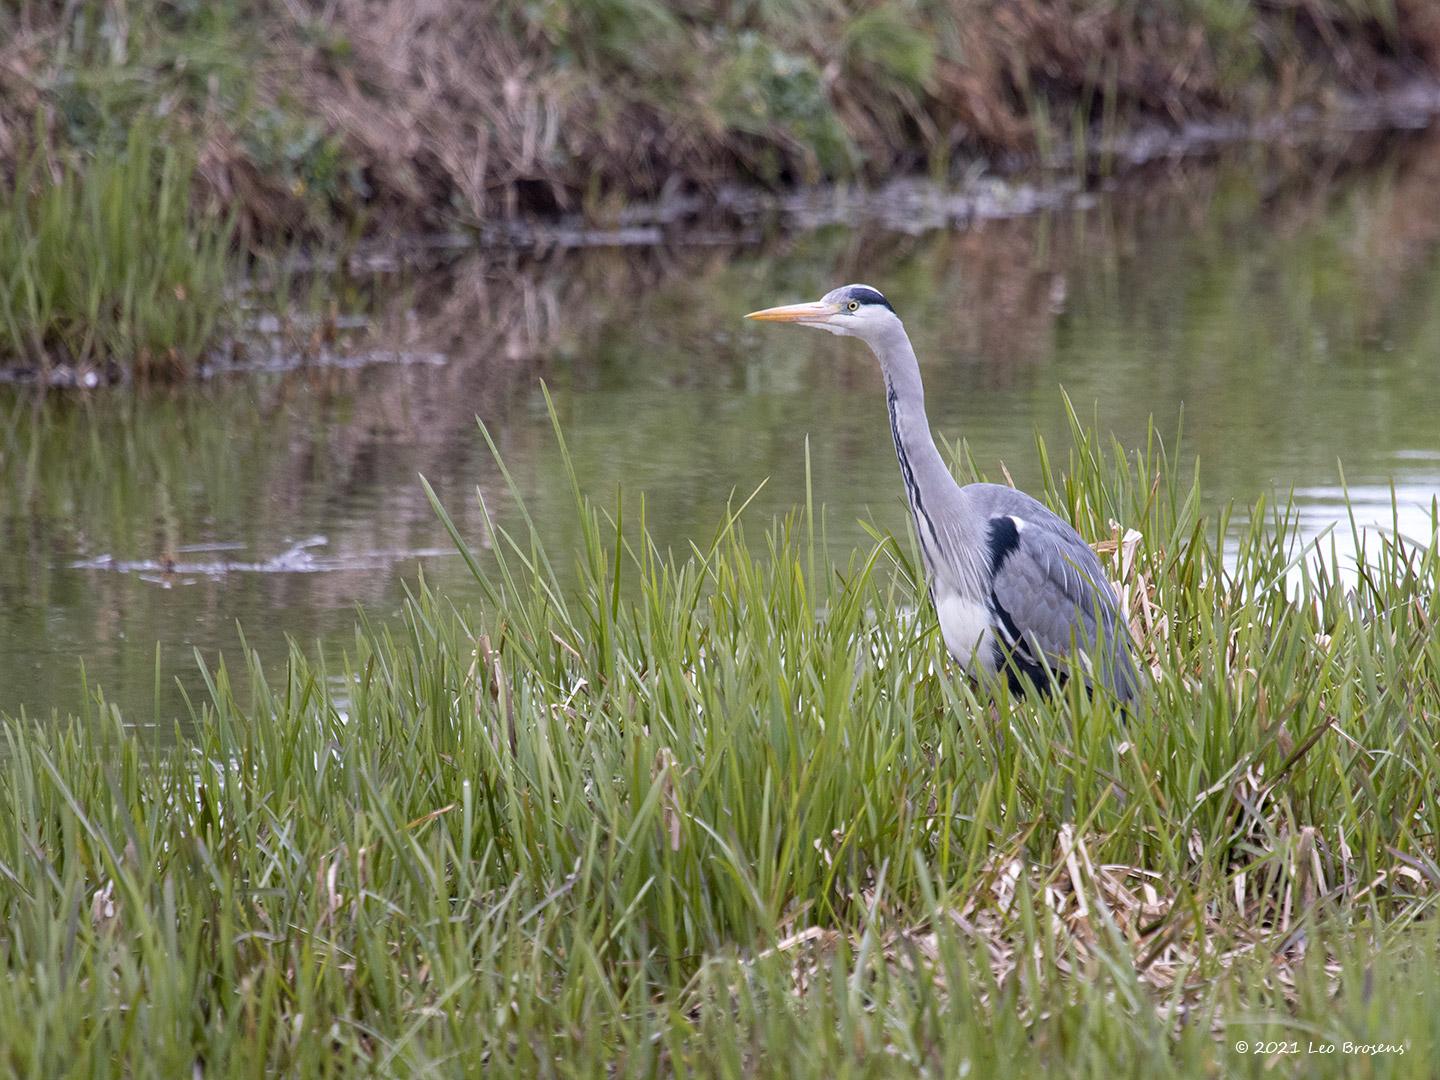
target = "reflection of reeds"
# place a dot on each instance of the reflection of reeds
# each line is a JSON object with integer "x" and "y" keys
{"x": 323, "y": 450}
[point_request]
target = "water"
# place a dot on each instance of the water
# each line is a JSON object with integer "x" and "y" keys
{"x": 1290, "y": 309}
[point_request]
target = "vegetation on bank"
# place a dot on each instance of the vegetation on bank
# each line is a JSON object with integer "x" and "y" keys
{"x": 307, "y": 120}
{"x": 110, "y": 267}
{"x": 730, "y": 811}
{"x": 462, "y": 110}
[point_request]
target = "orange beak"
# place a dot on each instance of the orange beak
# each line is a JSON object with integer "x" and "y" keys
{"x": 795, "y": 313}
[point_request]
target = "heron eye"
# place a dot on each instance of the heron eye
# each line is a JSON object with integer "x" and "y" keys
{"x": 854, "y": 305}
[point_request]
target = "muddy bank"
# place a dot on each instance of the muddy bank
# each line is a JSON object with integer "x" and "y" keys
{"x": 377, "y": 115}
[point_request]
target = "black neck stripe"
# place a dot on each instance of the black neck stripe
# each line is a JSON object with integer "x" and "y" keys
{"x": 912, "y": 489}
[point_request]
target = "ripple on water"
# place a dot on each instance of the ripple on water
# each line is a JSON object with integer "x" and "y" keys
{"x": 298, "y": 558}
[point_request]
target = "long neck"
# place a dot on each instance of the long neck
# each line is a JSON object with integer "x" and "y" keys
{"x": 949, "y": 539}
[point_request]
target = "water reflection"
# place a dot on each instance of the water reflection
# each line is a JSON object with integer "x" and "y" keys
{"x": 1283, "y": 313}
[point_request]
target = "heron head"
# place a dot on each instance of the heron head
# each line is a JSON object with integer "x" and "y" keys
{"x": 851, "y": 310}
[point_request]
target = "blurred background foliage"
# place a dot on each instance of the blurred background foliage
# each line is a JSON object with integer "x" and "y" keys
{"x": 358, "y": 112}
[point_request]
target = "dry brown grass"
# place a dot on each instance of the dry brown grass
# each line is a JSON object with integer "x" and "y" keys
{"x": 473, "y": 110}
{"x": 450, "y": 105}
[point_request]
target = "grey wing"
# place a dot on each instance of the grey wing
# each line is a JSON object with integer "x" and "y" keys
{"x": 1050, "y": 593}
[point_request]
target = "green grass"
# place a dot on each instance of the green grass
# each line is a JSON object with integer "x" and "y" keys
{"x": 109, "y": 264}
{"x": 728, "y": 811}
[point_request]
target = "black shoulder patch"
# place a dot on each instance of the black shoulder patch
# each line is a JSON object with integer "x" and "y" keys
{"x": 1004, "y": 538}
{"x": 868, "y": 295}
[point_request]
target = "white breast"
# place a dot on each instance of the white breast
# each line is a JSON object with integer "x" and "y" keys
{"x": 966, "y": 627}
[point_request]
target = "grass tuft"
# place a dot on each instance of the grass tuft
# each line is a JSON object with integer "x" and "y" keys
{"x": 109, "y": 266}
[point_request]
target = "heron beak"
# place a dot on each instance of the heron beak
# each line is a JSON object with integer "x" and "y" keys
{"x": 817, "y": 311}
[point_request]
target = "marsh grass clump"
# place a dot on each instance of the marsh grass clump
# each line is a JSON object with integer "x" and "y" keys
{"x": 728, "y": 811}
{"x": 109, "y": 266}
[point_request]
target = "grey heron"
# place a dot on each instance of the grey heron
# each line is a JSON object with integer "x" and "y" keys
{"x": 1016, "y": 589}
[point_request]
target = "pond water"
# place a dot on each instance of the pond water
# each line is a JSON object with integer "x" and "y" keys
{"x": 1287, "y": 301}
